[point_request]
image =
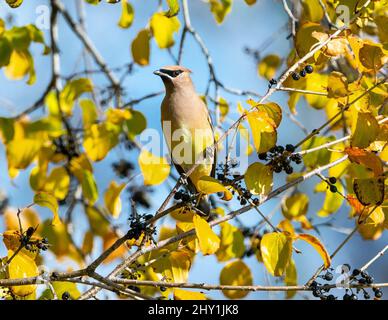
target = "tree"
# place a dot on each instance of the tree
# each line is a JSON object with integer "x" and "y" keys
{"x": 336, "y": 64}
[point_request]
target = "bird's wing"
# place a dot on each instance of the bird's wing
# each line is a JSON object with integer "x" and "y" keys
{"x": 213, "y": 172}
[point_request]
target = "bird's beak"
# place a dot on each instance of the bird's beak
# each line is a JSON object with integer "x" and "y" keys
{"x": 158, "y": 73}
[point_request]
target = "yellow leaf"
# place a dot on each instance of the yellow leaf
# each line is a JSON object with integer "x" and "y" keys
{"x": 140, "y": 48}
{"x": 47, "y": 200}
{"x": 22, "y": 266}
{"x": 180, "y": 294}
{"x": 372, "y": 56}
{"x": 333, "y": 200}
{"x": 154, "y": 169}
{"x": 273, "y": 110}
{"x": 236, "y": 273}
{"x": 20, "y": 64}
{"x": 304, "y": 38}
{"x": 174, "y": 266}
{"x": 89, "y": 112}
{"x": 232, "y": 243}
{"x": 88, "y": 242}
{"x": 220, "y": 9}
{"x": 182, "y": 214}
{"x": 250, "y": 2}
{"x": 108, "y": 240}
{"x": 318, "y": 83}
{"x": 369, "y": 191}
{"x": 61, "y": 287}
{"x": 263, "y": 130}
{"x": 268, "y": 65}
{"x": 276, "y": 249}
{"x": 318, "y": 246}
{"x": 259, "y": 179}
{"x": 14, "y": 3}
{"x": 337, "y": 85}
{"x": 163, "y": 29}
{"x": 209, "y": 242}
{"x": 21, "y": 152}
{"x": 112, "y": 198}
{"x": 365, "y": 129}
{"x": 291, "y": 278}
{"x": 127, "y": 15}
{"x": 58, "y": 183}
{"x": 295, "y": 206}
{"x": 173, "y": 8}
{"x": 223, "y": 106}
{"x": 312, "y": 10}
{"x": 209, "y": 185}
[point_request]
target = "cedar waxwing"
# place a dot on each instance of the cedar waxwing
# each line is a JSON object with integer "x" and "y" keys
{"x": 186, "y": 125}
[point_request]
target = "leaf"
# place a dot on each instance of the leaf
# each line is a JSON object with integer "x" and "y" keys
{"x": 112, "y": 198}
{"x": 365, "y": 158}
{"x": 99, "y": 140}
{"x": 291, "y": 278}
{"x": 180, "y": 294}
{"x": 98, "y": 224}
{"x": 20, "y": 64}
{"x": 87, "y": 243}
{"x": 140, "y": 48}
{"x": 318, "y": 246}
{"x": 273, "y": 110}
{"x": 369, "y": 191}
{"x": 163, "y": 29}
{"x": 372, "y": 56}
{"x": 14, "y": 3}
{"x": 250, "y": 2}
{"x": 337, "y": 85}
{"x": 268, "y": 65}
{"x": 220, "y": 9}
{"x": 22, "y": 266}
{"x": 304, "y": 39}
{"x": 5, "y": 51}
{"x": 60, "y": 287}
{"x": 173, "y": 8}
{"x": 333, "y": 200}
{"x": 208, "y": 240}
{"x": 365, "y": 129}
{"x": 232, "y": 243}
{"x": 58, "y": 183}
{"x": 259, "y": 179}
{"x": 21, "y": 152}
{"x": 108, "y": 240}
{"x": 210, "y": 185}
{"x": 223, "y": 107}
{"x": 154, "y": 169}
{"x": 276, "y": 249}
{"x": 318, "y": 83}
{"x": 89, "y": 187}
{"x": 127, "y": 15}
{"x": 47, "y": 200}
{"x": 135, "y": 125}
{"x": 319, "y": 157}
{"x": 174, "y": 266}
{"x": 295, "y": 206}
{"x": 89, "y": 112}
{"x": 263, "y": 130}
{"x": 236, "y": 273}
{"x": 312, "y": 10}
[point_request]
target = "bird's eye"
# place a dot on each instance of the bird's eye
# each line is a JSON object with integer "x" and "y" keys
{"x": 176, "y": 73}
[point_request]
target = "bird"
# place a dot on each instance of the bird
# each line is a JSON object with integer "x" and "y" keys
{"x": 187, "y": 128}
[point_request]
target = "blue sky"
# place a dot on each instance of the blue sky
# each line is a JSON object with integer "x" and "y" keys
{"x": 245, "y": 26}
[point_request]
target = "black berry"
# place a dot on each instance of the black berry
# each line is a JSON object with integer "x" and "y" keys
{"x": 65, "y": 296}
{"x": 353, "y": 297}
{"x": 263, "y": 156}
{"x": 290, "y": 148}
{"x": 289, "y": 170}
{"x": 30, "y": 231}
{"x": 333, "y": 180}
{"x": 309, "y": 68}
{"x": 346, "y": 296}
{"x": 356, "y": 272}
{"x": 295, "y": 76}
{"x": 378, "y": 293}
{"x": 364, "y": 274}
{"x": 333, "y": 189}
{"x": 302, "y": 73}
{"x": 163, "y": 289}
{"x": 328, "y": 276}
{"x": 366, "y": 296}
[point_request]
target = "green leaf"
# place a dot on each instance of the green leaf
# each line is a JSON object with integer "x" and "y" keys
{"x": 173, "y": 8}
{"x": 89, "y": 187}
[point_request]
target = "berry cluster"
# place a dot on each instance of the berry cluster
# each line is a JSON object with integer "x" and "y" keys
{"x": 33, "y": 245}
{"x": 303, "y": 72}
{"x": 331, "y": 184}
{"x": 280, "y": 158}
{"x": 364, "y": 278}
{"x": 138, "y": 225}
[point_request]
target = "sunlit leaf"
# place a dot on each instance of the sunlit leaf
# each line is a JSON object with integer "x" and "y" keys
{"x": 263, "y": 130}
{"x": 112, "y": 198}
{"x": 209, "y": 242}
{"x": 236, "y": 273}
{"x": 369, "y": 191}
{"x": 337, "y": 85}
{"x": 89, "y": 187}
{"x": 291, "y": 278}
{"x": 268, "y": 65}
{"x": 318, "y": 246}
{"x": 232, "y": 243}
{"x": 163, "y": 29}
{"x": 365, "y": 129}
{"x": 259, "y": 178}
{"x": 209, "y": 185}
{"x": 295, "y": 205}
{"x": 140, "y": 48}
{"x": 154, "y": 169}
{"x": 173, "y": 6}
{"x": 135, "y": 125}
{"x": 47, "y": 200}
{"x": 220, "y": 8}
{"x": 276, "y": 249}
{"x": 127, "y": 15}
{"x": 366, "y": 158}
{"x": 180, "y": 294}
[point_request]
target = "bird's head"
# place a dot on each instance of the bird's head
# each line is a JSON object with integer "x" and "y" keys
{"x": 174, "y": 76}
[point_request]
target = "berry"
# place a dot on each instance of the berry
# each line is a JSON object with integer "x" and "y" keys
{"x": 289, "y": 169}
{"x": 328, "y": 276}
{"x": 263, "y": 156}
{"x": 356, "y": 272}
{"x": 30, "y": 231}
{"x": 378, "y": 293}
{"x": 65, "y": 296}
{"x": 277, "y": 169}
{"x": 369, "y": 280}
{"x": 295, "y": 76}
{"x": 333, "y": 180}
{"x": 362, "y": 281}
{"x": 366, "y": 296}
{"x": 364, "y": 274}
{"x": 346, "y": 296}
{"x": 316, "y": 293}
{"x": 279, "y": 149}
{"x": 256, "y": 201}
{"x": 290, "y": 148}
{"x": 243, "y": 202}
{"x": 178, "y": 196}
{"x": 272, "y": 82}
{"x": 272, "y": 150}
{"x": 314, "y": 284}
{"x": 163, "y": 289}
{"x": 333, "y": 189}
{"x": 309, "y": 69}
{"x": 353, "y": 297}
{"x": 330, "y": 297}
{"x": 302, "y": 73}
